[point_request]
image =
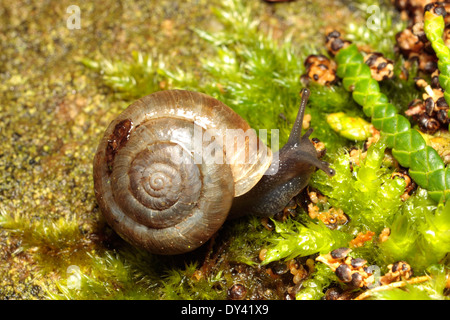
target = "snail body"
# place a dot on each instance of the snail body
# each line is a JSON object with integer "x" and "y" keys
{"x": 295, "y": 162}
{"x": 155, "y": 193}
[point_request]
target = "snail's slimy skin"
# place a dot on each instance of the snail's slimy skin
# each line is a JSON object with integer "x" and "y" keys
{"x": 295, "y": 163}
{"x": 152, "y": 192}
{"x": 273, "y": 192}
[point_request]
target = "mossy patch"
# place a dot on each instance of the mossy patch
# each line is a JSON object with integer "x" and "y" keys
{"x": 54, "y": 243}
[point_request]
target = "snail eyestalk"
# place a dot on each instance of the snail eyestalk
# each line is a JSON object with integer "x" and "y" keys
{"x": 296, "y": 131}
{"x": 295, "y": 138}
{"x": 296, "y": 161}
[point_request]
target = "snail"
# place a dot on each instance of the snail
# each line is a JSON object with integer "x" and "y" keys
{"x": 156, "y": 195}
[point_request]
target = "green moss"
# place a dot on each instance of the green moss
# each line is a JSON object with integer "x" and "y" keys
{"x": 381, "y": 25}
{"x": 401, "y": 242}
{"x": 104, "y": 276}
{"x": 434, "y": 289}
{"x": 419, "y": 233}
{"x": 400, "y": 91}
{"x": 352, "y": 128}
{"x": 183, "y": 285}
{"x": 130, "y": 79}
{"x": 53, "y": 241}
{"x": 294, "y": 239}
{"x": 367, "y": 193}
{"x": 323, "y": 101}
{"x": 314, "y": 287}
{"x": 59, "y": 243}
{"x": 245, "y": 249}
{"x": 237, "y": 75}
{"x": 251, "y": 72}
{"x": 60, "y": 233}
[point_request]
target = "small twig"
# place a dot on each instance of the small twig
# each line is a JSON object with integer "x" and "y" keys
{"x": 393, "y": 285}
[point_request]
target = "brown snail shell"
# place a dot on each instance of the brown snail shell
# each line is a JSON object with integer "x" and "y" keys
{"x": 147, "y": 183}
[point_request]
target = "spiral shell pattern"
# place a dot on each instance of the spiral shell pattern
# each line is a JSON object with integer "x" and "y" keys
{"x": 147, "y": 184}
